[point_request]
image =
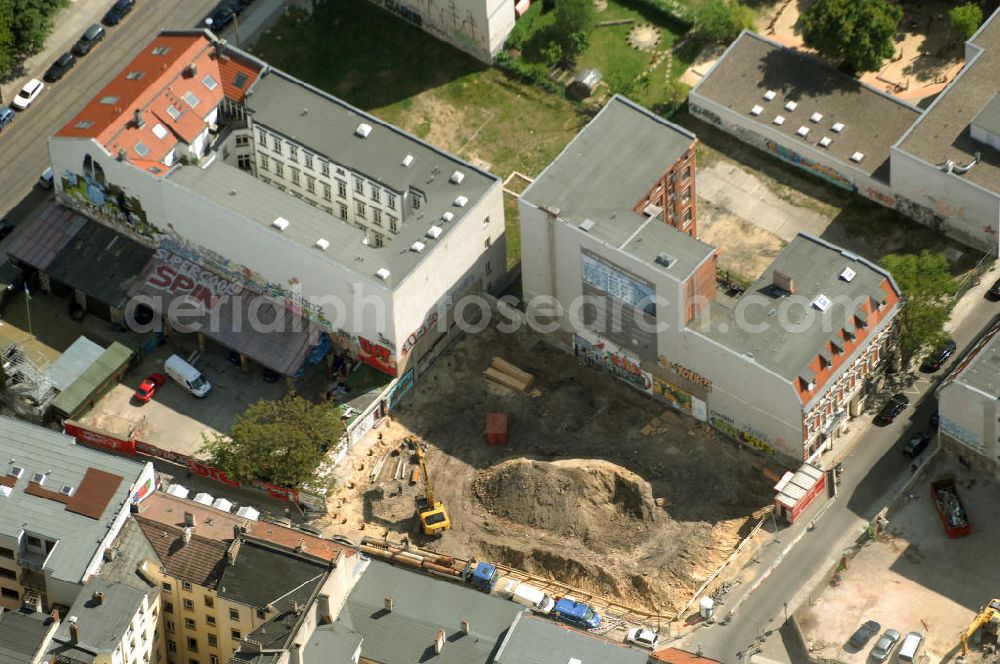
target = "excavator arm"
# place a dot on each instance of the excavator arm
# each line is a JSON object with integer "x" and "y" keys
{"x": 433, "y": 516}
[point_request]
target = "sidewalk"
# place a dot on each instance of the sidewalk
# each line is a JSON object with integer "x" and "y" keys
{"x": 972, "y": 299}
{"x": 69, "y": 24}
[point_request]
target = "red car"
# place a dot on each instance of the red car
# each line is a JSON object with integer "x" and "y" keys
{"x": 149, "y": 386}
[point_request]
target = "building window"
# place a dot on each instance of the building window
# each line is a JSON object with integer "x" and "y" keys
{"x": 209, "y": 601}
{"x": 171, "y": 646}
{"x": 293, "y": 153}
{"x": 8, "y": 573}
{"x": 7, "y": 553}
{"x": 262, "y": 137}
{"x": 324, "y": 169}
{"x": 343, "y": 211}
{"x": 687, "y": 194}
{"x": 235, "y": 634}
{"x": 279, "y": 169}
{"x": 34, "y": 541}
{"x": 167, "y": 587}
{"x": 393, "y": 224}
{"x": 376, "y": 194}
{"x": 295, "y": 174}
{"x": 687, "y": 173}
{"x": 377, "y": 216}
{"x": 327, "y": 193}
{"x": 416, "y": 202}
{"x": 168, "y": 607}
{"x": 189, "y": 623}
{"x": 687, "y": 216}
{"x": 192, "y": 644}
{"x": 489, "y": 267}
{"x": 310, "y": 184}
{"x": 234, "y": 615}
{"x": 242, "y": 140}
{"x": 210, "y": 620}
{"x": 212, "y": 659}
{"x": 360, "y": 207}
{"x": 359, "y": 185}
{"x": 186, "y": 585}
{"x": 341, "y": 189}
{"x": 390, "y": 200}
{"x": 213, "y": 640}
{"x": 245, "y": 162}
{"x": 263, "y": 161}
{"x": 276, "y": 144}
{"x": 309, "y": 161}
{"x": 486, "y": 221}
{"x": 169, "y": 625}
{"x": 377, "y": 239}
{"x": 9, "y": 594}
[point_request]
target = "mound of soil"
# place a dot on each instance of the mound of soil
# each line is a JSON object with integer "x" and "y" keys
{"x": 598, "y": 502}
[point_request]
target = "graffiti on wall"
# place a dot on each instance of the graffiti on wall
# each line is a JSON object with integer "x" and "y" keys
{"x": 747, "y": 435}
{"x": 880, "y": 197}
{"x": 821, "y": 170}
{"x": 671, "y": 395}
{"x": 605, "y": 356}
{"x": 444, "y": 19}
{"x": 91, "y": 193}
{"x": 378, "y": 354}
{"x": 961, "y": 434}
{"x": 400, "y": 389}
{"x": 687, "y": 374}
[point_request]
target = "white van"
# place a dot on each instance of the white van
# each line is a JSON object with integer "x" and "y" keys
{"x": 911, "y": 646}
{"x": 533, "y": 598}
{"x": 187, "y": 376}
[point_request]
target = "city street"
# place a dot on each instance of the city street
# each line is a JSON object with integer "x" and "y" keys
{"x": 874, "y": 471}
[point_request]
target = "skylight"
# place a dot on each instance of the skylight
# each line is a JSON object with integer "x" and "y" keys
{"x": 209, "y": 82}
{"x": 109, "y": 100}
{"x": 161, "y": 50}
{"x": 240, "y": 80}
{"x": 191, "y": 99}
{"x": 84, "y": 124}
{"x": 173, "y": 112}
{"x": 159, "y": 131}
{"x": 141, "y": 149}
{"x": 135, "y": 75}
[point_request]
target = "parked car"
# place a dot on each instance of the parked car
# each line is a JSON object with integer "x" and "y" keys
{"x": 645, "y": 638}
{"x": 6, "y": 228}
{"x": 864, "y": 633}
{"x": 118, "y": 12}
{"x": 148, "y": 387}
{"x": 28, "y": 94}
{"x": 89, "y": 39}
{"x": 937, "y": 359}
{"x": 883, "y": 647}
{"x": 910, "y": 647}
{"x": 6, "y": 116}
{"x": 576, "y": 613}
{"x": 221, "y": 17}
{"x": 891, "y": 410}
{"x": 914, "y": 446}
{"x": 271, "y": 376}
{"x": 59, "y": 68}
{"x": 46, "y": 179}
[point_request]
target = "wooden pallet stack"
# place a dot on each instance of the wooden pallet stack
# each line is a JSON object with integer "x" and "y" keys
{"x": 506, "y": 374}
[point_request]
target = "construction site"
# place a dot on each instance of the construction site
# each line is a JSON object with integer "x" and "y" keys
{"x": 514, "y": 453}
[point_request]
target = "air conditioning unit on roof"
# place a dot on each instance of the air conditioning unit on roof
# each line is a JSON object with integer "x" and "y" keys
{"x": 363, "y": 130}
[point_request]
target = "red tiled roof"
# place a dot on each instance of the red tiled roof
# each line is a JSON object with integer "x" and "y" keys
{"x": 237, "y": 76}
{"x": 91, "y": 497}
{"x": 675, "y": 656}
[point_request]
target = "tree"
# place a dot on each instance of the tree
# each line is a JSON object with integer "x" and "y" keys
{"x": 573, "y": 16}
{"x": 282, "y": 441}
{"x": 965, "y": 20}
{"x": 721, "y": 21}
{"x": 861, "y": 32}
{"x": 927, "y": 288}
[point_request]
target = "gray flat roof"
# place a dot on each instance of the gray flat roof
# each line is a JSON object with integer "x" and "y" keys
{"x": 981, "y": 369}
{"x": 331, "y": 644}
{"x": 21, "y": 635}
{"x": 943, "y": 131}
{"x": 989, "y": 117}
{"x": 539, "y": 641}
{"x": 753, "y": 65}
{"x": 37, "y": 449}
{"x": 422, "y": 605}
{"x": 101, "y": 624}
{"x": 787, "y": 347}
{"x": 609, "y": 167}
{"x": 73, "y": 362}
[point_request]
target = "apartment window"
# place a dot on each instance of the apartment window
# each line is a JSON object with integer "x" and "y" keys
{"x": 377, "y": 216}
{"x": 390, "y": 200}
{"x": 687, "y": 173}
{"x": 186, "y": 585}
{"x": 328, "y": 210}
{"x": 377, "y": 239}
{"x": 213, "y": 640}
{"x": 235, "y": 634}
{"x": 169, "y": 625}
{"x": 191, "y": 660}
{"x": 359, "y": 185}
{"x": 324, "y": 169}
{"x": 234, "y": 615}
{"x": 293, "y": 153}
{"x": 416, "y": 202}
{"x": 262, "y": 137}
{"x": 209, "y": 601}
{"x": 360, "y": 208}
{"x": 167, "y": 587}
{"x": 192, "y": 644}
{"x": 687, "y": 216}
{"x": 245, "y": 162}
{"x": 310, "y": 184}
{"x": 210, "y": 620}
{"x": 279, "y": 169}
{"x": 295, "y": 174}
{"x": 263, "y": 161}
{"x": 276, "y": 144}
{"x": 189, "y": 623}
{"x": 343, "y": 211}
{"x": 687, "y": 194}
{"x": 327, "y": 193}
{"x": 489, "y": 267}
{"x": 189, "y": 605}
{"x": 341, "y": 189}
{"x": 171, "y": 646}
{"x": 34, "y": 541}
{"x": 486, "y": 221}
{"x": 393, "y": 224}
{"x": 8, "y": 573}
{"x": 6, "y": 553}
{"x": 376, "y": 194}
{"x": 242, "y": 139}
{"x": 9, "y": 594}
{"x": 212, "y": 659}
{"x": 168, "y": 607}
{"x": 309, "y": 161}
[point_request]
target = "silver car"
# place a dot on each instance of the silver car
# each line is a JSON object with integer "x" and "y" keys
{"x": 883, "y": 648}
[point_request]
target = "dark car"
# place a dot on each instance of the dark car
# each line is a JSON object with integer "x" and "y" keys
{"x": 914, "y": 446}
{"x": 994, "y": 292}
{"x": 864, "y": 633}
{"x": 271, "y": 376}
{"x": 891, "y": 410}
{"x": 118, "y": 12}
{"x": 60, "y": 67}
{"x": 6, "y": 228}
{"x": 937, "y": 359}
{"x": 219, "y": 19}
{"x": 89, "y": 39}
{"x": 6, "y": 116}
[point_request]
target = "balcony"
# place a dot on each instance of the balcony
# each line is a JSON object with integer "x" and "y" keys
{"x": 33, "y": 580}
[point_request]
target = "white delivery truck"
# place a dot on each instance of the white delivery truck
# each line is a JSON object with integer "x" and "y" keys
{"x": 187, "y": 376}
{"x": 533, "y": 598}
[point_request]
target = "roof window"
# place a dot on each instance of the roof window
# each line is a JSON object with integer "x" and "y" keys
{"x": 109, "y": 100}
{"x": 135, "y": 75}
{"x": 141, "y": 149}
{"x": 173, "y": 112}
{"x": 209, "y": 82}
{"x": 191, "y": 99}
{"x": 159, "y": 131}
{"x": 84, "y": 124}
{"x": 240, "y": 80}
{"x": 161, "y": 50}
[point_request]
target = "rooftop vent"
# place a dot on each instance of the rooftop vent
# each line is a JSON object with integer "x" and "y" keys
{"x": 457, "y": 177}
{"x": 586, "y": 225}
{"x": 665, "y": 259}
{"x": 67, "y": 490}
{"x": 407, "y": 160}
{"x": 137, "y": 119}
{"x": 803, "y": 131}
{"x": 779, "y": 120}
{"x": 38, "y": 478}
{"x": 434, "y": 232}
{"x": 838, "y": 127}
{"x": 857, "y": 157}
{"x": 417, "y": 247}
{"x": 822, "y": 302}
{"x": 382, "y": 274}
{"x": 16, "y": 471}
{"x": 280, "y": 223}
{"x": 461, "y": 201}
{"x": 323, "y": 244}
{"x": 825, "y": 142}
{"x": 757, "y": 110}
{"x": 447, "y": 216}
{"x": 5, "y": 491}
{"x": 783, "y": 281}
{"x": 770, "y": 94}
{"x": 363, "y": 130}
{"x": 816, "y": 117}
{"x": 791, "y": 106}
{"x": 847, "y": 274}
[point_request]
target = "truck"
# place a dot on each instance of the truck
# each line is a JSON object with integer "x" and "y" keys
{"x": 950, "y": 508}
{"x": 533, "y": 598}
{"x": 576, "y": 613}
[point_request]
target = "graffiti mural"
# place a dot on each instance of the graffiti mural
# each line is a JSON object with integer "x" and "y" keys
{"x": 748, "y": 436}
{"x": 604, "y": 356}
{"x": 400, "y": 389}
{"x": 92, "y": 195}
{"x": 444, "y": 19}
{"x": 814, "y": 167}
{"x": 378, "y": 354}
{"x": 881, "y": 198}
{"x": 671, "y": 395}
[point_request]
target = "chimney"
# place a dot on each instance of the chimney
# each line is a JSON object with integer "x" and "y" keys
{"x": 74, "y": 631}
{"x": 98, "y": 597}
{"x": 388, "y": 603}
{"x": 783, "y": 281}
{"x": 465, "y": 627}
{"x": 137, "y": 118}
{"x": 297, "y": 653}
{"x": 186, "y": 537}
{"x": 189, "y": 520}
{"x": 300, "y": 547}
{"x": 122, "y": 155}
{"x": 233, "y": 551}
{"x": 296, "y": 609}
{"x": 439, "y": 641}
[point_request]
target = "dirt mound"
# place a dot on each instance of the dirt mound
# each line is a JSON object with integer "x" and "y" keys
{"x": 571, "y": 498}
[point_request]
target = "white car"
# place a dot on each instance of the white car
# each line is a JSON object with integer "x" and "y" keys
{"x": 28, "y": 94}
{"x": 641, "y": 636}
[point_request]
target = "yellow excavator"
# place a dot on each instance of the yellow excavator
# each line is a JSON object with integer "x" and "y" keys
{"x": 988, "y": 620}
{"x": 434, "y": 519}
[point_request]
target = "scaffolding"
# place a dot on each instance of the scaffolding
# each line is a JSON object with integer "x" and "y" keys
{"x": 27, "y": 386}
